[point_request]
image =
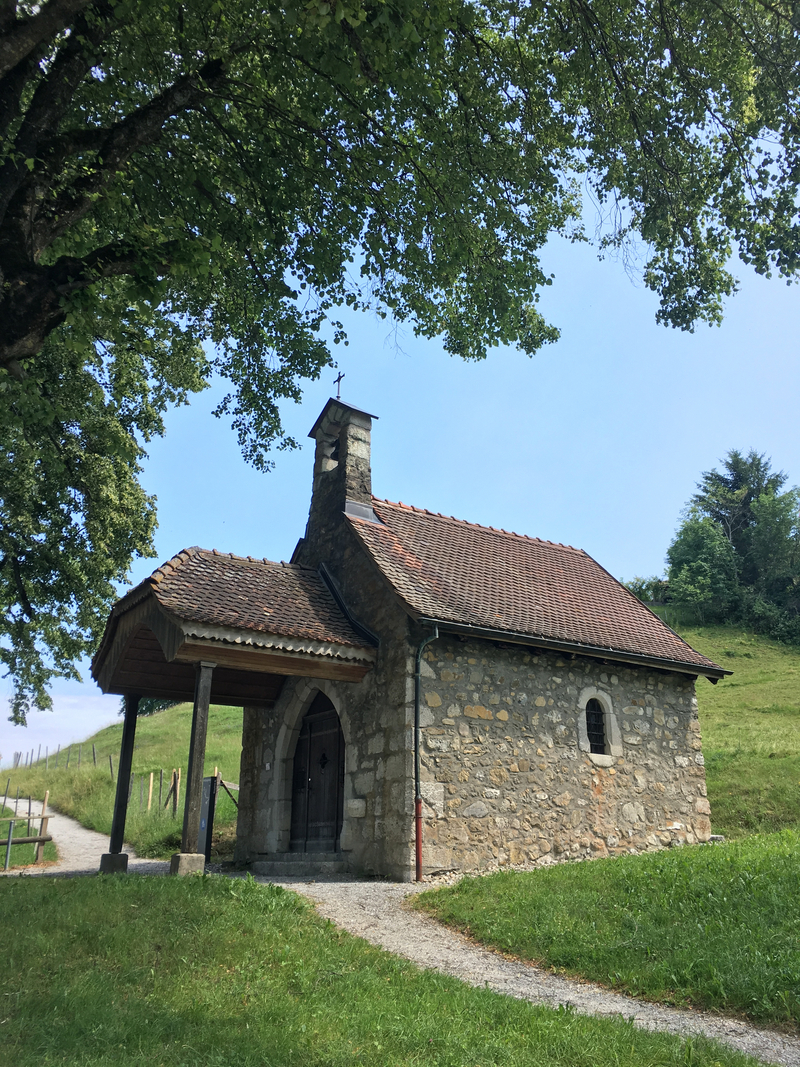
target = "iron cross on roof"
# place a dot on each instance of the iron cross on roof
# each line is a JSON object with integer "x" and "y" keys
{"x": 338, "y": 383}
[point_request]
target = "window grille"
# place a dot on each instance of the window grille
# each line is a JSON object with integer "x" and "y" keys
{"x": 595, "y": 726}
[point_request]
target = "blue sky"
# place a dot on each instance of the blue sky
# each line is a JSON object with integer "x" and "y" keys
{"x": 596, "y": 442}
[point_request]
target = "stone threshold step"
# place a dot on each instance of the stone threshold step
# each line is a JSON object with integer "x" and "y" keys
{"x": 305, "y": 857}
{"x": 294, "y": 869}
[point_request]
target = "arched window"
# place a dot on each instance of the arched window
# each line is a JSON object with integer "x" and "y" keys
{"x": 595, "y": 726}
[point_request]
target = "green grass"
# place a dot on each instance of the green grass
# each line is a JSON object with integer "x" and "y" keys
{"x": 212, "y": 971}
{"x": 751, "y": 731}
{"x": 162, "y": 741}
{"x": 714, "y": 926}
{"x": 22, "y": 855}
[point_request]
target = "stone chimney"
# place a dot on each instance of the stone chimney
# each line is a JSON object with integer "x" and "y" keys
{"x": 342, "y": 479}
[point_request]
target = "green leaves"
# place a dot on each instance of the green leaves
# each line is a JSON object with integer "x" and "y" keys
{"x": 182, "y": 175}
{"x": 72, "y": 511}
{"x": 737, "y": 554}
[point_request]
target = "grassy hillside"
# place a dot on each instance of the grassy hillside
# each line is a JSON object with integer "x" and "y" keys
{"x": 162, "y": 742}
{"x": 146, "y": 971}
{"x": 751, "y": 731}
{"x": 715, "y": 927}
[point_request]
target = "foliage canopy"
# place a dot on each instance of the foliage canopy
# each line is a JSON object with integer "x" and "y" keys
{"x": 736, "y": 555}
{"x": 177, "y": 175}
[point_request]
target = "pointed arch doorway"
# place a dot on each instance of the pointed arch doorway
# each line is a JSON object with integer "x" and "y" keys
{"x": 318, "y": 780}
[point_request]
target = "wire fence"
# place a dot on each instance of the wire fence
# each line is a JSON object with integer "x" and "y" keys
{"x": 25, "y": 760}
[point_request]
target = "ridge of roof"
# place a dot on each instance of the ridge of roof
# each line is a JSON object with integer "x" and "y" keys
{"x": 169, "y": 566}
{"x": 478, "y": 525}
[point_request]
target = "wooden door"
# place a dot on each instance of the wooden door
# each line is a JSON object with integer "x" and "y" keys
{"x": 318, "y": 780}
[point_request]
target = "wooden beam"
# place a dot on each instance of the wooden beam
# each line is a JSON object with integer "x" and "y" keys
{"x": 250, "y": 658}
{"x": 197, "y": 755}
{"x": 123, "y": 774}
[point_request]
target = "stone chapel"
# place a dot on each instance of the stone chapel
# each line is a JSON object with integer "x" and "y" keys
{"x": 420, "y": 694}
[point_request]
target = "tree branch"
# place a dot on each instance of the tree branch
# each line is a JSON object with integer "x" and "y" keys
{"x": 50, "y": 100}
{"x": 117, "y": 144}
{"x": 26, "y": 35}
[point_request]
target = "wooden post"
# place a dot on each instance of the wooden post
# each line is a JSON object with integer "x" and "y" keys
{"x": 177, "y": 796}
{"x": 160, "y": 788}
{"x": 197, "y": 753}
{"x": 80, "y": 752}
{"x": 94, "y": 754}
{"x": 111, "y": 766}
{"x": 8, "y": 845}
{"x": 30, "y": 802}
{"x": 69, "y": 753}
{"x": 150, "y": 793}
{"x": 123, "y": 774}
{"x": 141, "y": 791}
{"x": 42, "y": 830}
{"x": 39, "y": 754}
{"x": 5, "y": 801}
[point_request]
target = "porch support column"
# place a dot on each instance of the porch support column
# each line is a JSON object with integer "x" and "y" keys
{"x": 187, "y": 861}
{"x": 115, "y": 860}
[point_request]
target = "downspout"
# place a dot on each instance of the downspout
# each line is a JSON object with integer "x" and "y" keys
{"x": 417, "y": 783}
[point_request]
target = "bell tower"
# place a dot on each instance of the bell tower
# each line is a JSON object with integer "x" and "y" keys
{"x": 342, "y": 479}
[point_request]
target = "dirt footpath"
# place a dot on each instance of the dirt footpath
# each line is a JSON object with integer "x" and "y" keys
{"x": 79, "y": 849}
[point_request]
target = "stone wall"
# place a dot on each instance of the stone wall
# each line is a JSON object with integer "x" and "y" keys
{"x": 506, "y": 775}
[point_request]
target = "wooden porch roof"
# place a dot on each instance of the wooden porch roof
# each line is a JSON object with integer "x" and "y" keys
{"x": 258, "y": 621}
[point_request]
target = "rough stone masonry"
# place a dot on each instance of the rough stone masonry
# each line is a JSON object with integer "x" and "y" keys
{"x": 507, "y": 779}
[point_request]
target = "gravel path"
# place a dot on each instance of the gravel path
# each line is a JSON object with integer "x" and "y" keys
{"x": 79, "y": 849}
{"x": 376, "y": 911}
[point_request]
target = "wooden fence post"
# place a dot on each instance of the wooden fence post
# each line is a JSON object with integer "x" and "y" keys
{"x": 160, "y": 788}
{"x": 69, "y": 753}
{"x": 8, "y": 845}
{"x": 42, "y": 830}
{"x": 46, "y": 758}
{"x": 150, "y": 793}
{"x": 80, "y": 752}
{"x": 94, "y": 754}
{"x": 111, "y": 766}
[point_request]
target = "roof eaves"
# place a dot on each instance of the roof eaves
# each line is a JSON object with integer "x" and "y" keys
{"x": 711, "y": 671}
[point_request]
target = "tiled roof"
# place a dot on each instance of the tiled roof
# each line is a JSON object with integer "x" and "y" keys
{"x": 454, "y": 571}
{"x": 220, "y": 589}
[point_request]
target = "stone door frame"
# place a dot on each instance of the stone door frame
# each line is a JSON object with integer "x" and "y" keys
{"x": 290, "y": 710}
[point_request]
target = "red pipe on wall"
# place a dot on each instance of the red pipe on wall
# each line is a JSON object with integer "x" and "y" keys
{"x": 418, "y": 820}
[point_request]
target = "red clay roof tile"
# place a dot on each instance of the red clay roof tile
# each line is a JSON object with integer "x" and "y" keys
{"x": 221, "y": 589}
{"x": 458, "y": 572}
